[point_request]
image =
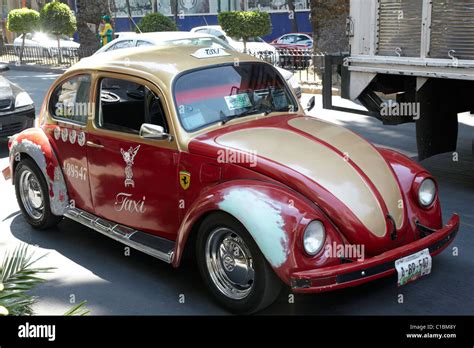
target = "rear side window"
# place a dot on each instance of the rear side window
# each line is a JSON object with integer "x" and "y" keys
{"x": 120, "y": 45}
{"x": 202, "y": 31}
{"x": 70, "y": 100}
{"x": 289, "y": 39}
{"x": 302, "y": 39}
{"x": 126, "y": 105}
{"x": 141, "y": 43}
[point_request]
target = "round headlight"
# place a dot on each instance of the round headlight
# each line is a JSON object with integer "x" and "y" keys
{"x": 427, "y": 192}
{"x": 314, "y": 237}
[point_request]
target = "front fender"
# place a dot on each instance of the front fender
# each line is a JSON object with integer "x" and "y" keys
{"x": 406, "y": 171}
{"x": 34, "y": 143}
{"x": 274, "y": 216}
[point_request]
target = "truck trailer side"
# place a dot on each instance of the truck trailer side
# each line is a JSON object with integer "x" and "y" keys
{"x": 412, "y": 61}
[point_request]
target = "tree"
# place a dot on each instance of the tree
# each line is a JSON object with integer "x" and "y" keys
{"x": 23, "y": 21}
{"x": 89, "y": 15}
{"x": 294, "y": 21}
{"x": 156, "y": 22}
{"x": 129, "y": 12}
{"x": 328, "y": 18}
{"x": 58, "y": 19}
{"x": 245, "y": 24}
{"x": 174, "y": 9}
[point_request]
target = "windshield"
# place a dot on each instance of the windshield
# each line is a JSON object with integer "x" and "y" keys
{"x": 221, "y": 93}
{"x": 201, "y": 41}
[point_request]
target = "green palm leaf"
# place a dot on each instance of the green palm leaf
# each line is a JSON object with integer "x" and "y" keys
{"x": 18, "y": 276}
{"x": 78, "y": 310}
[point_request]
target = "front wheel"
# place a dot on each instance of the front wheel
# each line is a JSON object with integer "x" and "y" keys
{"x": 233, "y": 267}
{"x": 33, "y": 196}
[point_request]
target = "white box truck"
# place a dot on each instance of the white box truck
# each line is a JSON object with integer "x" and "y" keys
{"x": 410, "y": 61}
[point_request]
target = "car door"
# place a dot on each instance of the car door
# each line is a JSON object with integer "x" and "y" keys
{"x": 69, "y": 106}
{"x": 133, "y": 180}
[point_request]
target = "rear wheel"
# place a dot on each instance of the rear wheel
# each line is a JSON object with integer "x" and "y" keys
{"x": 33, "y": 196}
{"x": 233, "y": 267}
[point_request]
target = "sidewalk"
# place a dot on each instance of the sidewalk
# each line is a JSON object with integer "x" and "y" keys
{"x": 37, "y": 68}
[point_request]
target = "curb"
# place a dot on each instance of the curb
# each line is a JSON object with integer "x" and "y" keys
{"x": 319, "y": 90}
{"x": 36, "y": 68}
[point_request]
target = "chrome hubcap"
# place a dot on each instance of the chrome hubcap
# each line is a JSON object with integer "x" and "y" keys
{"x": 31, "y": 195}
{"x": 229, "y": 263}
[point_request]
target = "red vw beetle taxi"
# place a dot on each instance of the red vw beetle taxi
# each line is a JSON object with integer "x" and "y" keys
{"x": 167, "y": 150}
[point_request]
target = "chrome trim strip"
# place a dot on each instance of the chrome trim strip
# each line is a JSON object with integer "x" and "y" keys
{"x": 117, "y": 232}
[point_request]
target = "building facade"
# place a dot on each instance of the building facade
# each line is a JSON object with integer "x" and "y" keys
{"x": 192, "y": 13}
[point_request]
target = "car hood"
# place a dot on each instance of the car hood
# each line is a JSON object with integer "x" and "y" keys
{"x": 285, "y": 73}
{"x": 344, "y": 174}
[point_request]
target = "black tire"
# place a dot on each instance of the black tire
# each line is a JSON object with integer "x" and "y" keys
{"x": 48, "y": 219}
{"x": 266, "y": 285}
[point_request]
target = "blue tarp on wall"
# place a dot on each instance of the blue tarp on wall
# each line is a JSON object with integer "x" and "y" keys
{"x": 281, "y": 23}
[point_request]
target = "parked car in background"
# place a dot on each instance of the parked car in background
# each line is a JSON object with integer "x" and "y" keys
{"x": 299, "y": 41}
{"x": 295, "y": 50}
{"x": 48, "y": 43}
{"x": 176, "y": 38}
{"x": 254, "y": 44}
{"x": 17, "y": 110}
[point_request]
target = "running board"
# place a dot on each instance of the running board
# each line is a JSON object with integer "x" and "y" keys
{"x": 160, "y": 248}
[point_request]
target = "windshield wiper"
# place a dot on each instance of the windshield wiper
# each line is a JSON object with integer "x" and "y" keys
{"x": 257, "y": 110}
{"x": 226, "y": 119}
{"x": 252, "y": 111}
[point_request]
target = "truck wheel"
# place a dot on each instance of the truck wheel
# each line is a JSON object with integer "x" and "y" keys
{"x": 32, "y": 195}
{"x": 233, "y": 267}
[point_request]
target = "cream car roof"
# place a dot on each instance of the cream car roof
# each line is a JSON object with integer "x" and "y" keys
{"x": 157, "y": 64}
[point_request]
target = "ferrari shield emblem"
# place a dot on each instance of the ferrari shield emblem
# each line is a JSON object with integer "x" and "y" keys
{"x": 185, "y": 179}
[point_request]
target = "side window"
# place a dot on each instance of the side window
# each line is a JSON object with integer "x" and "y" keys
{"x": 125, "y": 105}
{"x": 289, "y": 39}
{"x": 70, "y": 100}
{"x": 214, "y": 32}
{"x": 121, "y": 44}
{"x": 141, "y": 43}
{"x": 302, "y": 39}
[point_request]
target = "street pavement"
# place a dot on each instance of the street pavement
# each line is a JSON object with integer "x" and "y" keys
{"x": 92, "y": 267}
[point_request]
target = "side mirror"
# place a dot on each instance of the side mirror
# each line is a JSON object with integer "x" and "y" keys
{"x": 151, "y": 131}
{"x": 311, "y": 104}
{"x": 4, "y": 67}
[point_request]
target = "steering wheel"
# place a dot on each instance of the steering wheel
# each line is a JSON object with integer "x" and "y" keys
{"x": 109, "y": 97}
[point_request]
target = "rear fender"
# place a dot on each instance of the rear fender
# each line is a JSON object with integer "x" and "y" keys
{"x": 35, "y": 144}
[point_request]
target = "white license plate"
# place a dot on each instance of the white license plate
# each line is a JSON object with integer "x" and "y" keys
{"x": 412, "y": 267}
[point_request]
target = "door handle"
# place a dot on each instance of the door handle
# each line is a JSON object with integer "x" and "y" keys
{"x": 93, "y": 145}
